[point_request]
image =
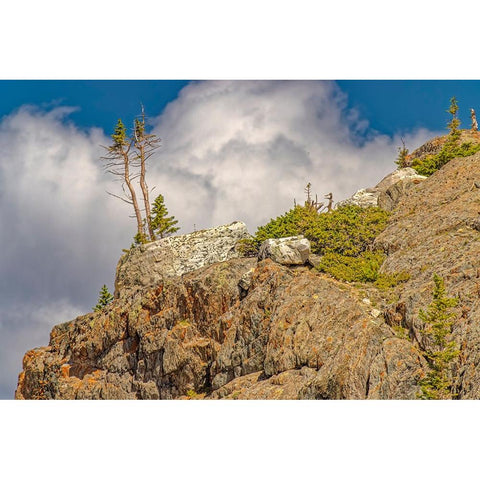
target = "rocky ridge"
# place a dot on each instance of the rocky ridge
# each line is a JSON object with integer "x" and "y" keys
{"x": 243, "y": 328}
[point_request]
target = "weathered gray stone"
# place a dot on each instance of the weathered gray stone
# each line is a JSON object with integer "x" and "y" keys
{"x": 314, "y": 260}
{"x": 148, "y": 264}
{"x": 246, "y": 279}
{"x": 387, "y": 193}
{"x": 286, "y": 251}
{"x": 363, "y": 198}
{"x": 389, "y": 199}
{"x": 398, "y": 175}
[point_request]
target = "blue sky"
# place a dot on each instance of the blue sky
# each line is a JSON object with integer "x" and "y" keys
{"x": 402, "y": 105}
{"x": 99, "y": 102}
{"x": 231, "y": 150}
{"x": 389, "y": 106}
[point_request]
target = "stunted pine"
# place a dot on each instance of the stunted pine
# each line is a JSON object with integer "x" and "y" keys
{"x": 126, "y": 159}
{"x": 117, "y": 161}
{"x": 145, "y": 145}
{"x": 104, "y": 298}
{"x": 441, "y": 349}
{"x": 161, "y": 223}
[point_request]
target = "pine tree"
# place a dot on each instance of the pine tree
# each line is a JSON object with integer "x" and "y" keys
{"x": 454, "y": 122}
{"x": 104, "y": 298}
{"x": 438, "y": 321}
{"x": 145, "y": 145}
{"x": 127, "y": 158}
{"x": 162, "y": 225}
{"x": 118, "y": 163}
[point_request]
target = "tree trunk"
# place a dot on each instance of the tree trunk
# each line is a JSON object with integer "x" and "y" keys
{"x": 138, "y": 215}
{"x": 144, "y": 188}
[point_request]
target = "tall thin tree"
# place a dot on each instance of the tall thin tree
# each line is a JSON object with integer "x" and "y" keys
{"x": 145, "y": 145}
{"x": 118, "y": 162}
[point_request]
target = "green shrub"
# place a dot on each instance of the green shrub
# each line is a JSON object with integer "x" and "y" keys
{"x": 450, "y": 150}
{"x": 343, "y": 236}
{"x": 348, "y": 230}
{"x": 289, "y": 224}
{"x": 391, "y": 280}
{"x": 248, "y": 247}
{"x": 362, "y": 268}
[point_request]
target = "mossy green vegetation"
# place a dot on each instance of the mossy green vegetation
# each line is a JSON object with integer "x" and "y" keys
{"x": 450, "y": 150}
{"x": 362, "y": 268}
{"x": 386, "y": 281}
{"x": 343, "y": 237}
{"x": 438, "y": 320}
{"x": 348, "y": 230}
{"x": 248, "y": 247}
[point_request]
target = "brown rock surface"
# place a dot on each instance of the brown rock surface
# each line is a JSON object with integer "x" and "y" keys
{"x": 296, "y": 334}
{"x": 239, "y": 329}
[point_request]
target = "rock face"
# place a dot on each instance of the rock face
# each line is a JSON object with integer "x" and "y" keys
{"x": 173, "y": 256}
{"x": 249, "y": 329}
{"x": 297, "y": 334}
{"x": 286, "y": 251}
{"x": 387, "y": 193}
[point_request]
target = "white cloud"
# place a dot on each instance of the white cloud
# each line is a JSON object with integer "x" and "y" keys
{"x": 231, "y": 151}
{"x": 243, "y": 150}
{"x": 61, "y": 234}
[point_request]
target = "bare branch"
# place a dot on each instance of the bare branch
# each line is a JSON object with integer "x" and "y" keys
{"x": 120, "y": 198}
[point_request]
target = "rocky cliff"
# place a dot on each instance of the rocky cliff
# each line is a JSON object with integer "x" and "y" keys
{"x": 243, "y": 328}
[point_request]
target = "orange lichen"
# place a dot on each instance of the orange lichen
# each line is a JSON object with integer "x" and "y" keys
{"x": 65, "y": 370}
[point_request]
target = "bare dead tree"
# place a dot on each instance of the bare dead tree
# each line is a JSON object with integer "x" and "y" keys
{"x": 117, "y": 161}
{"x": 474, "y": 120}
{"x": 309, "y": 202}
{"x": 307, "y": 191}
{"x": 145, "y": 145}
{"x": 329, "y": 196}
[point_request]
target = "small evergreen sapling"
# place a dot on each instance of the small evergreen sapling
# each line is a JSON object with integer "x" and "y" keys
{"x": 104, "y": 298}
{"x": 162, "y": 224}
{"x": 442, "y": 350}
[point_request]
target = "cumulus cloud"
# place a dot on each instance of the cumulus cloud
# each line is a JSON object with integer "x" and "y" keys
{"x": 60, "y": 235}
{"x": 244, "y": 150}
{"x": 230, "y": 151}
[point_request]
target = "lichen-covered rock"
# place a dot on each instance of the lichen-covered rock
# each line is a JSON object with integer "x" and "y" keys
{"x": 296, "y": 334}
{"x": 314, "y": 260}
{"x": 148, "y": 264}
{"x": 387, "y": 193}
{"x": 366, "y": 197}
{"x": 286, "y": 251}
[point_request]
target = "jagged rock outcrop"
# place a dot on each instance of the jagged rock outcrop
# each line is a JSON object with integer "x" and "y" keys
{"x": 247, "y": 329}
{"x": 286, "y": 251}
{"x": 297, "y": 334}
{"x": 387, "y": 193}
{"x": 174, "y": 256}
